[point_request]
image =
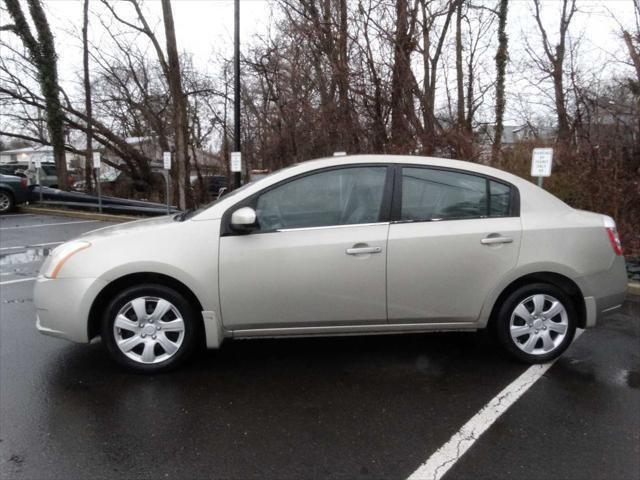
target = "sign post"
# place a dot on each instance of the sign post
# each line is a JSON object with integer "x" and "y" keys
{"x": 236, "y": 168}
{"x": 541, "y": 162}
{"x": 96, "y": 168}
{"x": 38, "y": 167}
{"x": 166, "y": 164}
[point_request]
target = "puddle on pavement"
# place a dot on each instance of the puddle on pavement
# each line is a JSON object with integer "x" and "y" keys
{"x": 26, "y": 256}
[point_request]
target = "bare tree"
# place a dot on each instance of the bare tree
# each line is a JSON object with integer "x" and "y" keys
{"x": 42, "y": 53}
{"x": 180, "y": 121}
{"x": 552, "y": 63}
{"x": 432, "y": 45}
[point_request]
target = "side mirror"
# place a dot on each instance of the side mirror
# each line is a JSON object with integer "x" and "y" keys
{"x": 243, "y": 219}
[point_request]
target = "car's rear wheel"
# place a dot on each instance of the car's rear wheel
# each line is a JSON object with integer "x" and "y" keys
{"x": 6, "y": 201}
{"x": 536, "y": 323}
{"x": 149, "y": 328}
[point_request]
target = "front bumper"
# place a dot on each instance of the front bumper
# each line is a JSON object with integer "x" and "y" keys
{"x": 63, "y": 305}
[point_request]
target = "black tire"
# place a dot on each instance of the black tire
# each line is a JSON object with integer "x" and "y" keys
{"x": 7, "y": 202}
{"x": 503, "y": 323}
{"x": 191, "y": 329}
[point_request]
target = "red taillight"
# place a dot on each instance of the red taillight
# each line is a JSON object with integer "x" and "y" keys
{"x": 23, "y": 182}
{"x": 615, "y": 240}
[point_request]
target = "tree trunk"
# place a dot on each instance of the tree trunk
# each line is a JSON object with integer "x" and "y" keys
{"x": 501, "y": 65}
{"x": 346, "y": 134}
{"x": 564, "y": 129}
{"x": 181, "y": 127}
{"x": 88, "y": 165}
{"x": 459, "y": 72}
{"x": 401, "y": 141}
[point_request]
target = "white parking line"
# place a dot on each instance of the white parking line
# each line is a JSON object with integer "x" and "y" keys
{"x": 51, "y": 224}
{"x": 446, "y": 456}
{"x": 20, "y": 247}
{"x": 8, "y": 282}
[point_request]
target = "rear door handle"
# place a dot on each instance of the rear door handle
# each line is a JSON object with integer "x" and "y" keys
{"x": 493, "y": 240}
{"x": 362, "y": 250}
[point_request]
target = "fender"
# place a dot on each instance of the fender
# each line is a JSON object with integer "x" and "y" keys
{"x": 519, "y": 272}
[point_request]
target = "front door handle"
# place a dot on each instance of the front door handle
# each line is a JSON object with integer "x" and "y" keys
{"x": 494, "y": 240}
{"x": 362, "y": 250}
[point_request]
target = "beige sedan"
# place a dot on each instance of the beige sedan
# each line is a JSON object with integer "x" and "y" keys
{"x": 341, "y": 246}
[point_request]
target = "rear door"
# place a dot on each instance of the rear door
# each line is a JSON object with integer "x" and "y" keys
{"x": 457, "y": 233}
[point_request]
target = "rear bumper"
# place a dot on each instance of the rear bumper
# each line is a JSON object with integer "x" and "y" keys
{"x": 604, "y": 292}
{"x": 63, "y": 305}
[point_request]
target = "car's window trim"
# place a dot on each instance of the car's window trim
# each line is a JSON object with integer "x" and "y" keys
{"x": 396, "y": 202}
{"x": 383, "y": 216}
{"x": 329, "y": 227}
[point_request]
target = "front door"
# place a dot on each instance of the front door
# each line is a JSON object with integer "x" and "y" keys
{"x": 457, "y": 235}
{"x": 317, "y": 258}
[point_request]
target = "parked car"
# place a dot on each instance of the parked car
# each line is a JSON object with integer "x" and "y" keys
{"x": 213, "y": 183}
{"x": 356, "y": 245}
{"x": 13, "y": 191}
{"x": 48, "y": 173}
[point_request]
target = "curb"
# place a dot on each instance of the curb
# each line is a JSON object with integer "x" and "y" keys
{"x": 79, "y": 214}
{"x": 633, "y": 288}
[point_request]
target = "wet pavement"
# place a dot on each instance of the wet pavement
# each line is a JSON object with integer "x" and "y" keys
{"x": 351, "y": 407}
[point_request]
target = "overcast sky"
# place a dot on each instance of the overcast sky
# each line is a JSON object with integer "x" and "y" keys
{"x": 204, "y": 27}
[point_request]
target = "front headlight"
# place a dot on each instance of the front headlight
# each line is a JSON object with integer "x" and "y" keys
{"x": 60, "y": 255}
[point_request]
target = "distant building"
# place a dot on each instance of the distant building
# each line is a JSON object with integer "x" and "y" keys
{"x": 44, "y": 153}
{"x": 513, "y": 134}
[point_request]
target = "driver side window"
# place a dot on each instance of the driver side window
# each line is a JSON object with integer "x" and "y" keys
{"x": 343, "y": 196}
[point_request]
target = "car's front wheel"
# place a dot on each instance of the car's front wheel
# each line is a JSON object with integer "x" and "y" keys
{"x": 536, "y": 323}
{"x": 149, "y": 328}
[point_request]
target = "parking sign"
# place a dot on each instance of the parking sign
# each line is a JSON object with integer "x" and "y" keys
{"x": 541, "y": 161}
{"x": 236, "y": 162}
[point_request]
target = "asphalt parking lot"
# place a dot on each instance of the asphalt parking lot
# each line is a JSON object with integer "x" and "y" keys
{"x": 351, "y": 407}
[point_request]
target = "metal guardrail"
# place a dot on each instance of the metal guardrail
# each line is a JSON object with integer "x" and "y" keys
{"x": 106, "y": 207}
{"x": 46, "y": 196}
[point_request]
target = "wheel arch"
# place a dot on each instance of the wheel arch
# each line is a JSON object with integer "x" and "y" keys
{"x": 563, "y": 282}
{"x": 125, "y": 281}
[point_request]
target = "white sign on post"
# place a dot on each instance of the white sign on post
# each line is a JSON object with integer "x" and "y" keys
{"x": 541, "y": 161}
{"x": 166, "y": 160}
{"x": 96, "y": 159}
{"x": 236, "y": 162}
{"x": 38, "y": 162}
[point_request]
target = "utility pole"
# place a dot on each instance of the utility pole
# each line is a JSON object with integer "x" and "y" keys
{"x": 237, "y": 175}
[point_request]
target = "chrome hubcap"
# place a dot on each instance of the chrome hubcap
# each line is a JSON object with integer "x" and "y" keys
{"x": 149, "y": 330}
{"x": 539, "y": 324}
{"x": 4, "y": 202}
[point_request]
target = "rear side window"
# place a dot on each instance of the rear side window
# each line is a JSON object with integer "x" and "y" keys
{"x": 500, "y": 199}
{"x": 431, "y": 194}
{"x": 438, "y": 194}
